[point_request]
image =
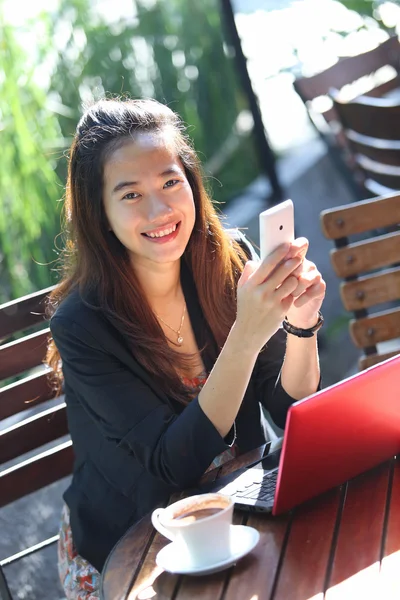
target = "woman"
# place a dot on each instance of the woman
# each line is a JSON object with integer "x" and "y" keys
{"x": 170, "y": 340}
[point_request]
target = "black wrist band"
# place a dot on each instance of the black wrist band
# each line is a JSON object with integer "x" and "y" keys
{"x": 303, "y": 333}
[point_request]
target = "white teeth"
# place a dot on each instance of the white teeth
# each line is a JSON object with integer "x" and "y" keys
{"x": 162, "y": 233}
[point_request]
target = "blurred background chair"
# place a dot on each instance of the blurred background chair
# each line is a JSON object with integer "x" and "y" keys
{"x": 371, "y": 127}
{"x": 375, "y": 73}
{"x": 367, "y": 264}
{"x": 35, "y": 449}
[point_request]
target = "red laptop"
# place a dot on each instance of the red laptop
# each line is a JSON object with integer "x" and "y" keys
{"x": 330, "y": 437}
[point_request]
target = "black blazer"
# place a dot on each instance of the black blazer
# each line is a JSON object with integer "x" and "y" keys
{"x": 134, "y": 446}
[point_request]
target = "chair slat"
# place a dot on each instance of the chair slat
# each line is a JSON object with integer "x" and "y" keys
{"x": 28, "y": 551}
{"x": 361, "y": 257}
{"x": 387, "y": 156}
{"x": 366, "y": 215}
{"x": 33, "y": 432}
{"x": 36, "y": 473}
{"x": 376, "y": 328}
{"x": 376, "y": 167}
{"x": 375, "y": 188}
{"x": 380, "y": 173}
{"x": 373, "y": 359}
{"x": 384, "y": 88}
{"x": 24, "y": 394}
{"x": 349, "y": 69}
{"x": 372, "y": 289}
{"x": 23, "y": 313}
{"x": 378, "y": 150}
{"x": 21, "y": 355}
{"x": 375, "y": 117}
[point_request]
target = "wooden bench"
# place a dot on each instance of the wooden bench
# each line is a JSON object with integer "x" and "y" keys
{"x": 369, "y": 268}
{"x": 314, "y": 92}
{"x": 31, "y": 455}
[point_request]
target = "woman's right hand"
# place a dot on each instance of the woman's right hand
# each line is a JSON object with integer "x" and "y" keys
{"x": 264, "y": 296}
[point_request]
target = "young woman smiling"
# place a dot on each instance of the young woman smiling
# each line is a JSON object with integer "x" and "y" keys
{"x": 166, "y": 338}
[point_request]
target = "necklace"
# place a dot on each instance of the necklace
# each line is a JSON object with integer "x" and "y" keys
{"x": 177, "y": 331}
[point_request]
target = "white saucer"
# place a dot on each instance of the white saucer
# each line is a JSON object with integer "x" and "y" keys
{"x": 243, "y": 540}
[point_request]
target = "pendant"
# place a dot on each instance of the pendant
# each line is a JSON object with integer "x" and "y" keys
{"x": 180, "y": 339}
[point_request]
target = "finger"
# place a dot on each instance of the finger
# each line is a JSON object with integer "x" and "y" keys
{"x": 270, "y": 262}
{"x": 306, "y": 280}
{"x": 299, "y": 247}
{"x": 248, "y": 270}
{"x": 281, "y": 273}
{"x": 286, "y": 288}
{"x": 297, "y": 272}
{"x": 304, "y": 267}
{"x": 286, "y": 303}
{"x": 315, "y": 291}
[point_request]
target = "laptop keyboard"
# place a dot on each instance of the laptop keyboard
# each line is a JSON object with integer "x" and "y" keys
{"x": 256, "y": 490}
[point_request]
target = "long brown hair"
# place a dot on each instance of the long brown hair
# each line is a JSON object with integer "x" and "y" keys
{"x": 95, "y": 262}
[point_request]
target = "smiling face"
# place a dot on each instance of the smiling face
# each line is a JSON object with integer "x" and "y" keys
{"x": 147, "y": 199}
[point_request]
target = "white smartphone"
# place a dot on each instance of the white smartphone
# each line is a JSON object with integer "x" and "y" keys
{"x": 276, "y": 227}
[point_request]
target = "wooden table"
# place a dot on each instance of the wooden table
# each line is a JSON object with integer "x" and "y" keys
{"x": 342, "y": 545}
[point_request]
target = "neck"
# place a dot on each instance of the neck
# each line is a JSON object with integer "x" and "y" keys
{"x": 160, "y": 283}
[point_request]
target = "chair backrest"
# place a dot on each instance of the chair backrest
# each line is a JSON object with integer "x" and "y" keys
{"x": 350, "y": 69}
{"x": 314, "y": 92}
{"x": 28, "y": 424}
{"x": 370, "y": 270}
{"x": 371, "y": 127}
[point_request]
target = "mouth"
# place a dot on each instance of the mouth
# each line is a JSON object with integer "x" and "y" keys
{"x": 163, "y": 235}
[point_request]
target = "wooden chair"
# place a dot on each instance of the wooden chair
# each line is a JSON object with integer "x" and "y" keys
{"x": 368, "y": 267}
{"x": 371, "y": 127}
{"x": 346, "y": 71}
{"x": 27, "y": 462}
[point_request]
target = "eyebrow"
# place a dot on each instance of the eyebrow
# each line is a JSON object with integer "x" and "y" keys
{"x": 123, "y": 184}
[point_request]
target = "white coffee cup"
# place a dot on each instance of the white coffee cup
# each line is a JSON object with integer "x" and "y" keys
{"x": 200, "y": 525}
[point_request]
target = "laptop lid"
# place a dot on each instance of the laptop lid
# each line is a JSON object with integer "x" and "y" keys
{"x": 339, "y": 432}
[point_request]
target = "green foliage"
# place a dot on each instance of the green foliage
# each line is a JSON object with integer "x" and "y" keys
{"x": 29, "y": 186}
{"x": 172, "y": 50}
{"x": 363, "y": 7}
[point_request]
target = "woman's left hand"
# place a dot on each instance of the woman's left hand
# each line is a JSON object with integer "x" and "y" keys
{"x": 310, "y": 291}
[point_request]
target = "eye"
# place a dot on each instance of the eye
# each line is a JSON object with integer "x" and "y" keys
{"x": 131, "y": 196}
{"x": 171, "y": 183}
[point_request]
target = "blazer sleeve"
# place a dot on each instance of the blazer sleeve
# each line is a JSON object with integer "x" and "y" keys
{"x": 267, "y": 379}
{"x": 176, "y": 449}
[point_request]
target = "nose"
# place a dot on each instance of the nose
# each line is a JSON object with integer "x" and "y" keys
{"x": 158, "y": 209}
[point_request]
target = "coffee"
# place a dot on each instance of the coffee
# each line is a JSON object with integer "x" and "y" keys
{"x": 196, "y": 521}
{"x": 196, "y": 515}
{"x": 192, "y": 509}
